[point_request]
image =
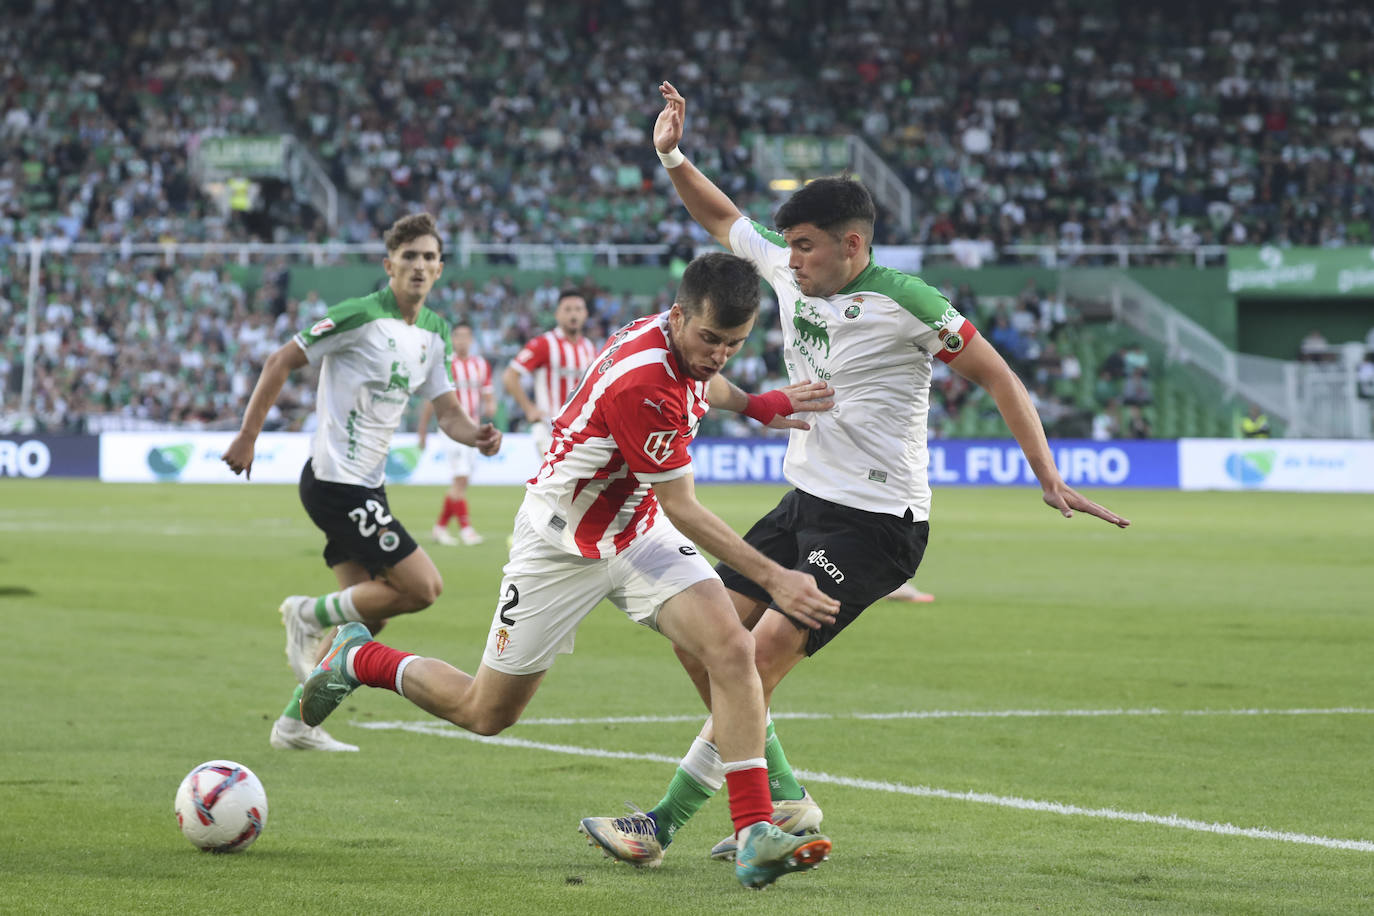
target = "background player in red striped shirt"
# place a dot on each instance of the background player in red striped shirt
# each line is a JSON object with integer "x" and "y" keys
{"x": 553, "y": 362}
{"x": 472, "y": 380}
{"x": 613, "y": 514}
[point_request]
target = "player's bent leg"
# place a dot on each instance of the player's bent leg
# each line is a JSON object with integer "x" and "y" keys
{"x": 749, "y": 611}
{"x": 485, "y": 704}
{"x": 701, "y": 621}
{"x": 418, "y": 582}
{"x": 413, "y": 584}
{"x": 778, "y": 647}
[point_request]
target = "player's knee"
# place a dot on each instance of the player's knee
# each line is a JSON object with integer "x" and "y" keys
{"x": 425, "y": 592}
{"x": 489, "y": 723}
{"x": 733, "y": 654}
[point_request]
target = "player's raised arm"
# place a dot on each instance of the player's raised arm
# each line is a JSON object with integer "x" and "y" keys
{"x": 708, "y": 204}
{"x": 984, "y": 366}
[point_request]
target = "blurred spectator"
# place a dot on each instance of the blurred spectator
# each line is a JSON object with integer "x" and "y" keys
{"x": 1314, "y": 347}
{"x": 1137, "y": 389}
{"x": 1255, "y": 424}
{"x": 1364, "y": 376}
{"x": 1106, "y": 422}
{"x": 1137, "y": 426}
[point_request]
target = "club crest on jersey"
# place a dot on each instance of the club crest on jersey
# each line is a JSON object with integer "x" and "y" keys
{"x": 502, "y": 640}
{"x": 659, "y": 445}
{"x": 855, "y": 308}
{"x": 951, "y": 339}
{"x": 322, "y": 326}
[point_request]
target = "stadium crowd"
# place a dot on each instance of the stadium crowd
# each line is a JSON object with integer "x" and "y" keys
{"x": 128, "y": 344}
{"x": 1244, "y": 121}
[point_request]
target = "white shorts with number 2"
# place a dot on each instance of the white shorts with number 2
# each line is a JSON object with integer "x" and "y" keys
{"x": 546, "y": 591}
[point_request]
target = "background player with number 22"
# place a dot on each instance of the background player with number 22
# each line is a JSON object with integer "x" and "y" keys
{"x": 374, "y": 352}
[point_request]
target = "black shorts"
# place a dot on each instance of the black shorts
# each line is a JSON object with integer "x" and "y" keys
{"x": 356, "y": 521}
{"x": 857, "y": 557}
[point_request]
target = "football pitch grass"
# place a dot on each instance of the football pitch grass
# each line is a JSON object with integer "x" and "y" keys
{"x": 1175, "y": 718}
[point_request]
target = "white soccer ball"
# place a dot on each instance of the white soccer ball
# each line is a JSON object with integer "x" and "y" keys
{"x": 221, "y": 806}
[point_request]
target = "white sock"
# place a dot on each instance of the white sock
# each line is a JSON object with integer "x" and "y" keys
{"x": 333, "y": 609}
{"x": 702, "y": 762}
{"x": 401, "y": 670}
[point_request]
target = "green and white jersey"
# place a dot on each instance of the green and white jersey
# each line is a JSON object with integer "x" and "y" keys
{"x": 370, "y": 362}
{"x": 873, "y": 342}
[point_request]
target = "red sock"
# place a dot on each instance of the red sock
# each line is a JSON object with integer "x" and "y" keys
{"x": 750, "y": 801}
{"x": 375, "y": 665}
{"x": 446, "y": 514}
{"x": 460, "y": 508}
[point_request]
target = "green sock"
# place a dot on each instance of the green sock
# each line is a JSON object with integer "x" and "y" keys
{"x": 684, "y": 798}
{"x": 293, "y": 705}
{"x": 780, "y": 779}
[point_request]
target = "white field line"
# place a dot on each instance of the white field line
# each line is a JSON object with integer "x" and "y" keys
{"x": 444, "y": 730}
{"x": 968, "y": 714}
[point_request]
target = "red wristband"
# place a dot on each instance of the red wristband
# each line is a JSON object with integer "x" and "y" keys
{"x": 764, "y": 407}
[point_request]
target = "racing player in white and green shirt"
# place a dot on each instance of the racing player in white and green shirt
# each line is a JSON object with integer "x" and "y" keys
{"x": 374, "y": 352}
{"x": 857, "y": 517}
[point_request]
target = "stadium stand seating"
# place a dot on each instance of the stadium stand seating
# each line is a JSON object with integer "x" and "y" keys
{"x": 1240, "y": 121}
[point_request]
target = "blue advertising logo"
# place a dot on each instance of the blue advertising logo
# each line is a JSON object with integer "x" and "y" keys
{"x": 168, "y": 461}
{"x": 401, "y": 463}
{"x": 1249, "y": 469}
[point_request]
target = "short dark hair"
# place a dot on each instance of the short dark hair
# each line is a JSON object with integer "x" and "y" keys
{"x": 829, "y": 204}
{"x": 409, "y": 228}
{"x": 569, "y": 291}
{"x": 461, "y": 323}
{"x": 725, "y": 284}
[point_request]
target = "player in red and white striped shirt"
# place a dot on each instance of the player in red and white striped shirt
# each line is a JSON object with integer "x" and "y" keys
{"x": 472, "y": 379}
{"x": 555, "y": 361}
{"x": 602, "y": 520}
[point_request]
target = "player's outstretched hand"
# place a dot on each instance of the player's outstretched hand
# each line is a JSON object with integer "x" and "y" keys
{"x": 668, "y": 127}
{"x": 1066, "y": 499}
{"x": 796, "y": 595}
{"x": 488, "y": 439}
{"x": 239, "y": 455}
{"x": 805, "y": 397}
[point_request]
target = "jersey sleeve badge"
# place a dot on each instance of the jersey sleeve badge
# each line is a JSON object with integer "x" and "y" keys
{"x": 659, "y": 445}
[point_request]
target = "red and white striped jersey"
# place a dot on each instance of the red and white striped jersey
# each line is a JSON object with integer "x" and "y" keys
{"x": 472, "y": 379}
{"x": 627, "y": 427}
{"x": 557, "y": 364}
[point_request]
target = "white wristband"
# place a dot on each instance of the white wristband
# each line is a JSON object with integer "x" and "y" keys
{"x": 671, "y": 159}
